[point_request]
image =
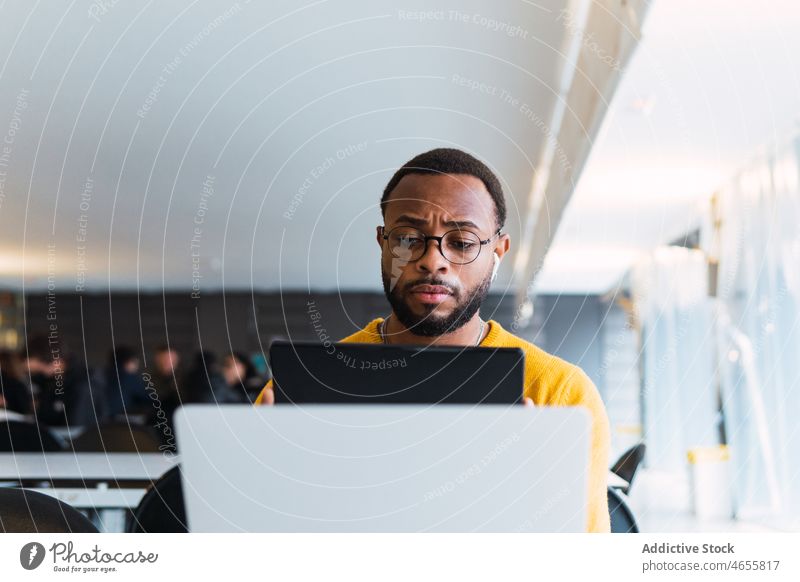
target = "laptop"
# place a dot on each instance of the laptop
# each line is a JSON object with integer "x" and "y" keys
{"x": 384, "y": 468}
{"x": 314, "y": 373}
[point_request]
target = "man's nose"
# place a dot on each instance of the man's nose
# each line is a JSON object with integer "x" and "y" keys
{"x": 432, "y": 260}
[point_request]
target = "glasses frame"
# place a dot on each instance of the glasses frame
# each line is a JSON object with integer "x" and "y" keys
{"x": 438, "y": 240}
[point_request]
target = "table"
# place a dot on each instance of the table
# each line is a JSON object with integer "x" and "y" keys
{"x": 105, "y": 468}
{"x": 105, "y": 506}
{"x": 90, "y": 466}
{"x": 97, "y": 498}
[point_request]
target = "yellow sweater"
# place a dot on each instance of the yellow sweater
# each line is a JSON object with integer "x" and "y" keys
{"x": 549, "y": 381}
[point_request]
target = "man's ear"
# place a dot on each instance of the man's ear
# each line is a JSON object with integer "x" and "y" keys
{"x": 379, "y": 235}
{"x": 502, "y": 245}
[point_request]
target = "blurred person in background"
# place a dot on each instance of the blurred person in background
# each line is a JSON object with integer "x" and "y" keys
{"x": 15, "y": 395}
{"x": 84, "y": 392}
{"x": 164, "y": 375}
{"x": 7, "y": 414}
{"x": 37, "y": 370}
{"x": 69, "y": 392}
{"x": 162, "y": 389}
{"x": 240, "y": 374}
{"x": 205, "y": 382}
{"x": 126, "y": 391}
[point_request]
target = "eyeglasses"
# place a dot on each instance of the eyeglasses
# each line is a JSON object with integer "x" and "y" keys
{"x": 458, "y": 246}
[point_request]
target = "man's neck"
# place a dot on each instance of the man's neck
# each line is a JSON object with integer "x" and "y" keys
{"x": 467, "y": 335}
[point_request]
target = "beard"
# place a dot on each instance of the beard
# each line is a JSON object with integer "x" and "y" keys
{"x": 429, "y": 323}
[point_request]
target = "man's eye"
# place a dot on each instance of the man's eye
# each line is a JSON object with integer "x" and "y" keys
{"x": 408, "y": 241}
{"x": 462, "y": 245}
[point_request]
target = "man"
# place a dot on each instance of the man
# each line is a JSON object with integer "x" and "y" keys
{"x": 165, "y": 372}
{"x": 441, "y": 245}
{"x": 67, "y": 393}
{"x": 164, "y": 381}
{"x": 166, "y": 360}
{"x": 126, "y": 394}
{"x": 14, "y": 394}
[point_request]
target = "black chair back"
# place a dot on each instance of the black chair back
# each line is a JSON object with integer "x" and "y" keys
{"x": 24, "y": 511}
{"x": 117, "y": 437}
{"x": 622, "y": 520}
{"x": 27, "y": 437}
{"x": 627, "y": 465}
{"x": 161, "y": 510}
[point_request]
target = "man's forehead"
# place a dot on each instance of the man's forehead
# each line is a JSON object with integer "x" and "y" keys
{"x": 455, "y": 197}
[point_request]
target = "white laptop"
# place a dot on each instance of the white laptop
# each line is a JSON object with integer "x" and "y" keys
{"x": 384, "y": 468}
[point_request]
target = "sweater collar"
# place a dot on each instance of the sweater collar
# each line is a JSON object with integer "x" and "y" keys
{"x": 373, "y": 335}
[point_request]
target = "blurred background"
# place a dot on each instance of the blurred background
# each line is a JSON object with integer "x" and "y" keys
{"x": 179, "y": 180}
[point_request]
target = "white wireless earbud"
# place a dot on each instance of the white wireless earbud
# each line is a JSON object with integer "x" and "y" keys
{"x": 495, "y": 267}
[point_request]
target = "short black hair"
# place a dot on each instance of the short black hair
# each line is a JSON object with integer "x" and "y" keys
{"x": 451, "y": 161}
{"x": 37, "y": 348}
{"x": 121, "y": 356}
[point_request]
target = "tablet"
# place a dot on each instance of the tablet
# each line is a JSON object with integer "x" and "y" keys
{"x": 313, "y": 373}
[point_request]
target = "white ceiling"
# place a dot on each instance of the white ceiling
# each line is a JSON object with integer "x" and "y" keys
{"x": 256, "y": 98}
{"x": 709, "y": 84}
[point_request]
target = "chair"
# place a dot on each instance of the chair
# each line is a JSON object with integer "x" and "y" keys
{"x": 117, "y": 437}
{"x": 161, "y": 510}
{"x": 24, "y": 511}
{"x": 27, "y": 437}
{"x": 622, "y": 520}
{"x": 627, "y": 465}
